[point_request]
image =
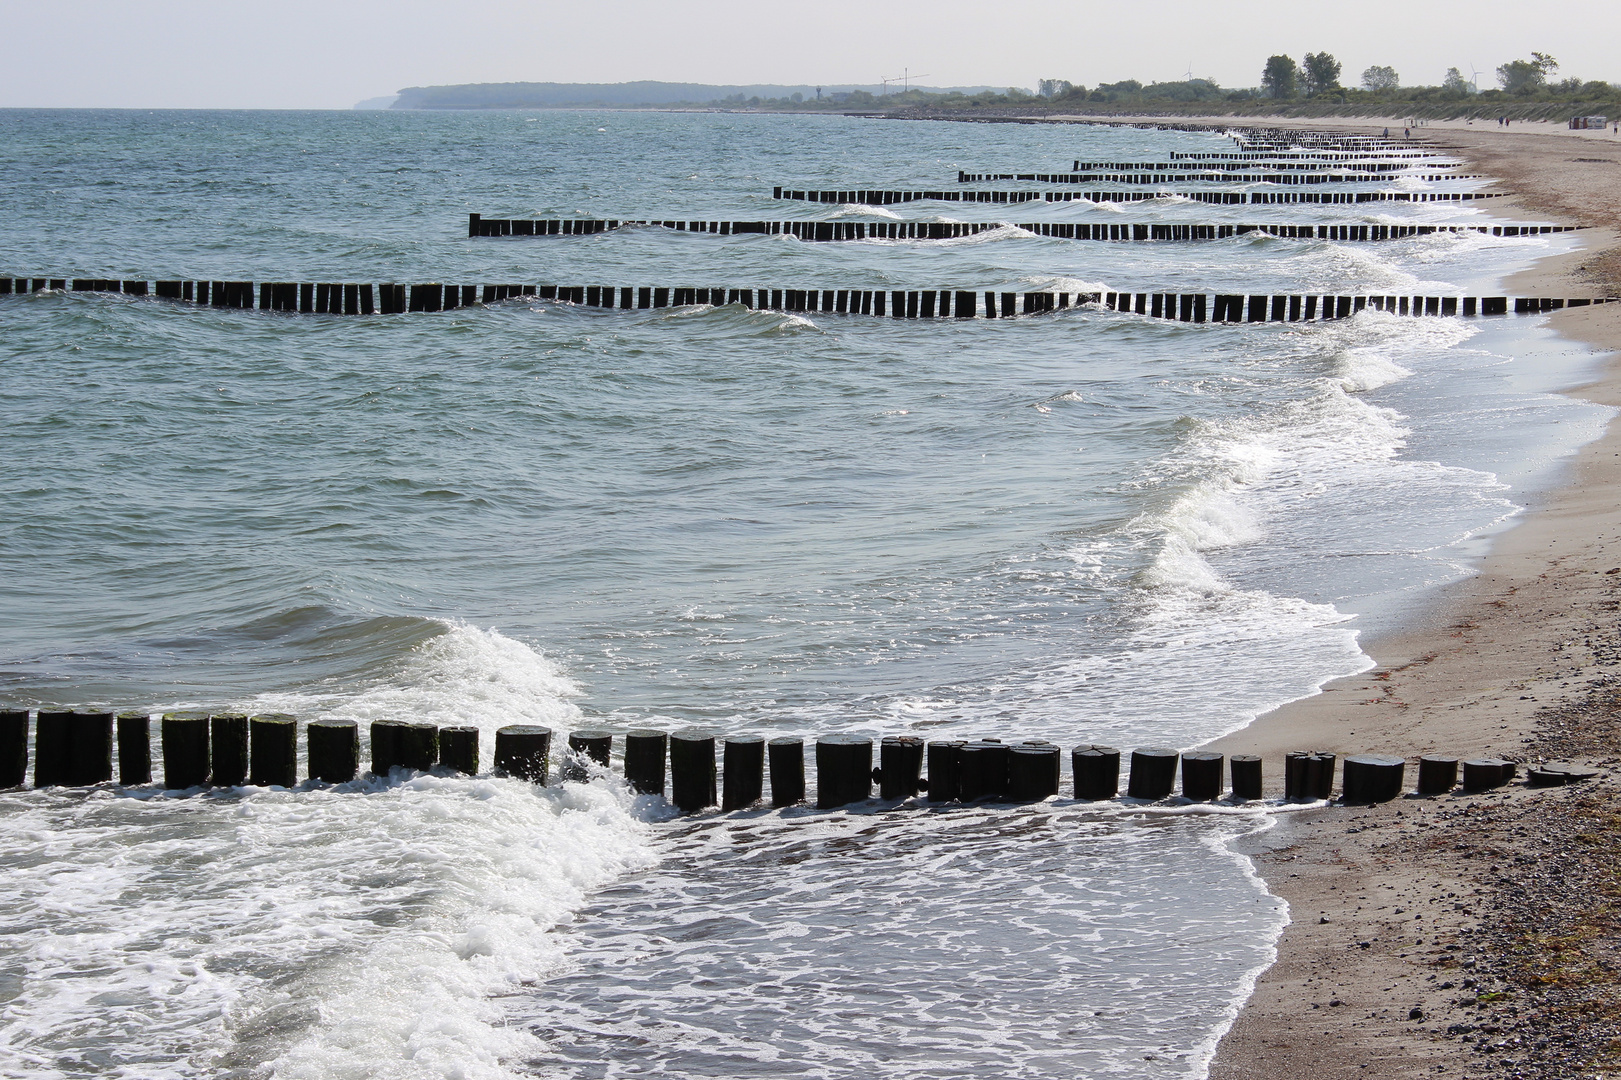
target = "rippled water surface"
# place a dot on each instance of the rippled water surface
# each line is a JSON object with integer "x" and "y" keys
{"x": 1083, "y": 527}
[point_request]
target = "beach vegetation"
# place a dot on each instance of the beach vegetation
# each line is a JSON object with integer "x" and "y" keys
{"x": 1321, "y": 73}
{"x": 1455, "y": 85}
{"x": 1378, "y": 77}
{"x": 1132, "y": 92}
{"x": 1526, "y": 77}
{"x": 1281, "y": 77}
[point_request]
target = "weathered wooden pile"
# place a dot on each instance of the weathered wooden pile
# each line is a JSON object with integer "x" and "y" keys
{"x": 75, "y": 748}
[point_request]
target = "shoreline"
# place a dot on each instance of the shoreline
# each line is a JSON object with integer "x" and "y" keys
{"x": 1403, "y": 950}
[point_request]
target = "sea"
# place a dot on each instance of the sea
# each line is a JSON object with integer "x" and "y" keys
{"x": 1085, "y": 527}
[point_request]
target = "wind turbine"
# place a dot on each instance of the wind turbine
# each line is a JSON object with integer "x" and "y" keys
{"x": 1474, "y": 77}
{"x": 904, "y": 78}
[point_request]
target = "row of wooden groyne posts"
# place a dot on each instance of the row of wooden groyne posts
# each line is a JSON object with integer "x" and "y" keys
{"x": 75, "y": 748}
{"x": 1266, "y": 144}
{"x": 359, "y": 298}
{"x": 1286, "y": 170}
{"x": 1200, "y": 174}
{"x": 1117, "y": 232}
{"x": 362, "y": 299}
{"x": 1275, "y": 141}
{"x": 1216, "y": 198}
{"x": 1183, "y": 164}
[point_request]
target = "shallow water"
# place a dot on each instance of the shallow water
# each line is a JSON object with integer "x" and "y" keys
{"x": 1085, "y": 527}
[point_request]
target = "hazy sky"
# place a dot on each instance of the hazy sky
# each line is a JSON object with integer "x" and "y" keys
{"x": 331, "y": 54}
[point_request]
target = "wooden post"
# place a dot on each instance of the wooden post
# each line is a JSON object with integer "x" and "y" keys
{"x": 51, "y": 748}
{"x": 984, "y": 770}
{"x": 13, "y": 748}
{"x": 1370, "y": 778}
{"x": 594, "y": 746}
{"x": 385, "y": 745}
{"x": 1319, "y": 776}
{"x": 458, "y": 749}
{"x": 185, "y": 749}
{"x": 598, "y": 746}
{"x": 692, "y": 769}
{"x": 1153, "y": 773}
{"x": 273, "y": 750}
{"x": 90, "y": 748}
{"x": 843, "y": 770}
{"x": 743, "y": 771}
{"x": 1201, "y": 776}
{"x": 1096, "y": 771}
{"x": 1308, "y": 776}
{"x": 644, "y": 761}
{"x": 1437, "y": 775}
{"x": 228, "y": 736}
{"x": 1294, "y": 774}
{"x": 523, "y": 751}
{"x": 1246, "y": 773}
{"x": 787, "y": 771}
{"x": 418, "y": 746}
{"x": 1032, "y": 771}
{"x": 73, "y": 749}
{"x": 900, "y": 766}
{"x": 945, "y": 769}
{"x": 1480, "y": 774}
{"x": 334, "y": 750}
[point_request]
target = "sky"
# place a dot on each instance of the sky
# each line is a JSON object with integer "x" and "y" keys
{"x": 301, "y": 54}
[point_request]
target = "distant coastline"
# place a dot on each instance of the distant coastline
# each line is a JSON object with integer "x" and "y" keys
{"x": 645, "y": 94}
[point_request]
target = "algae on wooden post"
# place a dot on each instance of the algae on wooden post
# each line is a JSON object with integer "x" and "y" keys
{"x": 185, "y": 749}
{"x": 334, "y": 750}
{"x": 273, "y": 750}
{"x": 229, "y": 733}
{"x": 458, "y": 749}
{"x": 524, "y": 751}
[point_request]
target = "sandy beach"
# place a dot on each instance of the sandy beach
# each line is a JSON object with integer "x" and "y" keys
{"x": 1471, "y": 935}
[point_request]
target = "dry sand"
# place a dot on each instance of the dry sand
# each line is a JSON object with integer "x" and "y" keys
{"x": 1419, "y": 941}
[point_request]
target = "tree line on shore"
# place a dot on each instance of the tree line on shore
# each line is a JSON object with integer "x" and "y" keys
{"x": 1317, "y": 79}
